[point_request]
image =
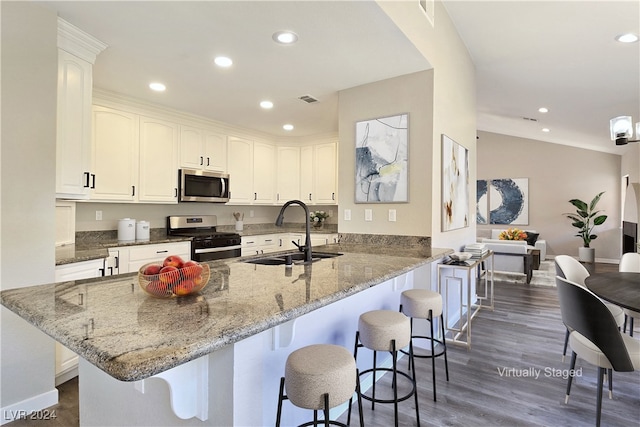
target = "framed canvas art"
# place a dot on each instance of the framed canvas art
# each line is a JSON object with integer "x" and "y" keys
{"x": 455, "y": 185}
{"x": 509, "y": 201}
{"x": 382, "y": 160}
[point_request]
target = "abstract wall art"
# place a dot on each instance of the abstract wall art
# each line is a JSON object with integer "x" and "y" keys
{"x": 455, "y": 185}
{"x": 382, "y": 160}
{"x": 507, "y": 201}
{"x": 482, "y": 201}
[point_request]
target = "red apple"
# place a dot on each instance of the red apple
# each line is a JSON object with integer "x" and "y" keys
{"x": 191, "y": 269}
{"x": 169, "y": 274}
{"x": 157, "y": 288}
{"x": 184, "y": 287}
{"x": 173, "y": 260}
{"x": 152, "y": 269}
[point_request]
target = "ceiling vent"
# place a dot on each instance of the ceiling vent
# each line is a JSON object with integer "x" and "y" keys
{"x": 530, "y": 119}
{"x": 308, "y": 99}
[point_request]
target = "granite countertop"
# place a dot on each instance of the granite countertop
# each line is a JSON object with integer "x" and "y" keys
{"x": 112, "y": 323}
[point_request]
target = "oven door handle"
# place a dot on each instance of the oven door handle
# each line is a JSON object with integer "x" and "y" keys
{"x": 219, "y": 249}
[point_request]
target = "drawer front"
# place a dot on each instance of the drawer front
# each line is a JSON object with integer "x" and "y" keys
{"x": 158, "y": 252}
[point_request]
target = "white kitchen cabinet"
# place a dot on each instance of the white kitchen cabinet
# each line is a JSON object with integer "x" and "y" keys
{"x": 158, "y": 176}
{"x": 73, "y": 138}
{"x": 240, "y": 169}
{"x": 288, "y": 174}
{"x": 77, "y": 52}
{"x": 79, "y": 270}
{"x": 286, "y": 240}
{"x": 134, "y": 257}
{"x": 264, "y": 173}
{"x": 326, "y": 174}
{"x": 115, "y": 150}
{"x": 323, "y": 239}
{"x": 202, "y": 149}
{"x": 260, "y": 244}
{"x": 319, "y": 174}
{"x": 66, "y": 363}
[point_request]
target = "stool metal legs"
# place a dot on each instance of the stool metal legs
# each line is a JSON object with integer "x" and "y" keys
{"x": 433, "y": 354}
{"x": 395, "y": 373}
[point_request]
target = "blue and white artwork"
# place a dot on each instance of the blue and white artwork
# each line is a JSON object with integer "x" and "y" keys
{"x": 509, "y": 201}
{"x": 382, "y": 160}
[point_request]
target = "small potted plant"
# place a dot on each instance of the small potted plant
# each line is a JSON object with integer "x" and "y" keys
{"x": 585, "y": 220}
{"x": 317, "y": 218}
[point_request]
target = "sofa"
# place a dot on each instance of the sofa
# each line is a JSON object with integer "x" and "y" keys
{"x": 539, "y": 244}
{"x": 515, "y": 256}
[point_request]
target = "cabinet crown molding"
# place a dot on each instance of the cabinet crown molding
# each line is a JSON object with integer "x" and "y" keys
{"x": 75, "y": 41}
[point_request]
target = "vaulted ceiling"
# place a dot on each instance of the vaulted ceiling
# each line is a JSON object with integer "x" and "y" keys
{"x": 528, "y": 54}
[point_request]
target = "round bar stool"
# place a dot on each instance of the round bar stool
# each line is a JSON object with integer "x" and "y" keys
{"x": 320, "y": 377}
{"x": 386, "y": 330}
{"x": 425, "y": 304}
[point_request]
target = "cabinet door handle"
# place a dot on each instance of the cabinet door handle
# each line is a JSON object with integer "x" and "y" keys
{"x": 208, "y": 162}
{"x": 201, "y": 160}
{"x": 93, "y": 180}
{"x": 309, "y": 196}
{"x": 162, "y": 252}
{"x": 255, "y": 196}
{"x": 176, "y": 192}
{"x": 86, "y": 176}
{"x": 333, "y": 196}
{"x": 133, "y": 190}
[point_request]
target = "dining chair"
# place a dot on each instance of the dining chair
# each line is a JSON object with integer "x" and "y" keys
{"x": 597, "y": 342}
{"x": 571, "y": 269}
{"x": 630, "y": 262}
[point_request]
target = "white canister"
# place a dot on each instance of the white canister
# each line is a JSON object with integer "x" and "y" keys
{"x": 142, "y": 230}
{"x": 126, "y": 230}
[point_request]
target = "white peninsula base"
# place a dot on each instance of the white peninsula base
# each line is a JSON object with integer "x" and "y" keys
{"x": 243, "y": 378}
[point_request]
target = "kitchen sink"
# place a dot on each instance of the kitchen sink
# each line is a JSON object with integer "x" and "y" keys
{"x": 296, "y": 258}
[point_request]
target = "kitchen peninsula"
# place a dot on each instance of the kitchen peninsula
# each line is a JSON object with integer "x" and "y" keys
{"x": 222, "y": 352}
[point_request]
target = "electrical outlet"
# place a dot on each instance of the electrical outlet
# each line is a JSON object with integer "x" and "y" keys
{"x": 392, "y": 215}
{"x": 368, "y": 215}
{"x": 98, "y": 215}
{"x": 251, "y": 214}
{"x": 347, "y": 214}
{"x": 330, "y": 213}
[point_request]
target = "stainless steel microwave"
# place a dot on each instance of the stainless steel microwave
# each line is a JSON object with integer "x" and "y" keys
{"x": 201, "y": 186}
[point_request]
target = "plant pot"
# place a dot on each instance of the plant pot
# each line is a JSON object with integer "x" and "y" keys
{"x": 587, "y": 254}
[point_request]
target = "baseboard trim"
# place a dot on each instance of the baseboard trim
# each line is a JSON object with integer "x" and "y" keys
{"x": 33, "y": 404}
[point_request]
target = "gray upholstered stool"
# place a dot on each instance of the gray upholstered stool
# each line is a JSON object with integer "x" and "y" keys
{"x": 386, "y": 330}
{"x": 425, "y": 304}
{"x": 320, "y": 377}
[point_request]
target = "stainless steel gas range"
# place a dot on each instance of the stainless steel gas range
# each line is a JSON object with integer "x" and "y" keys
{"x": 208, "y": 244}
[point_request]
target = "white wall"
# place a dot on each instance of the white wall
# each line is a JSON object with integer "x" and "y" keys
{"x": 27, "y": 255}
{"x": 557, "y": 174}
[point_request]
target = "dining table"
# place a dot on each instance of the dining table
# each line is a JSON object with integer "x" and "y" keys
{"x": 620, "y": 288}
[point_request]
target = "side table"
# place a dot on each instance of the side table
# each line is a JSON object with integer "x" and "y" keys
{"x": 468, "y": 309}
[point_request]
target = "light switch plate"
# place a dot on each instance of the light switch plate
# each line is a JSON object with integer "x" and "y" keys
{"x": 392, "y": 215}
{"x": 347, "y": 214}
{"x": 98, "y": 215}
{"x": 368, "y": 215}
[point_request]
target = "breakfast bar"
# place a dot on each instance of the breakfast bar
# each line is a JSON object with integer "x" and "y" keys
{"x": 221, "y": 351}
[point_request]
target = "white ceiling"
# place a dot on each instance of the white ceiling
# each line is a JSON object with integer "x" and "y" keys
{"x": 528, "y": 54}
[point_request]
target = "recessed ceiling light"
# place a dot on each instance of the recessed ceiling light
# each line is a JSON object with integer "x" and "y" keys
{"x": 285, "y": 37}
{"x": 158, "y": 87}
{"x": 627, "y": 38}
{"x": 287, "y": 127}
{"x": 543, "y": 110}
{"x": 223, "y": 61}
{"x": 266, "y": 104}
{"x": 545, "y": 130}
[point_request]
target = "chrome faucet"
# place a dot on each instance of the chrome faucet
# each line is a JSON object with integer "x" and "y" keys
{"x": 307, "y": 243}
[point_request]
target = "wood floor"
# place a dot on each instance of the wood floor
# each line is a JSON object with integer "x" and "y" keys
{"x": 523, "y": 334}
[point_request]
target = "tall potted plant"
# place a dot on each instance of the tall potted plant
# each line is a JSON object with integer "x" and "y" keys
{"x": 585, "y": 220}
